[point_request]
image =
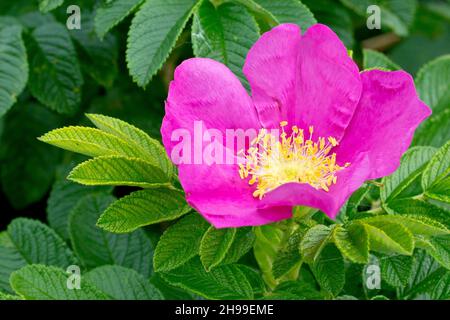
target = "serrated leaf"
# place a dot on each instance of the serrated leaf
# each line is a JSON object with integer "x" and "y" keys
{"x": 64, "y": 196}
{"x": 350, "y": 208}
{"x": 153, "y": 33}
{"x": 435, "y": 178}
{"x": 329, "y": 269}
{"x": 142, "y": 208}
{"x": 215, "y": 245}
{"x": 168, "y": 291}
{"x": 415, "y": 207}
{"x": 435, "y": 131}
{"x": 389, "y": 237}
{"x": 55, "y": 76}
{"x": 288, "y": 257}
{"x": 433, "y": 83}
{"x": 39, "y": 282}
{"x": 13, "y": 66}
{"x": 89, "y": 141}
{"x": 242, "y": 243}
{"x": 314, "y": 241}
{"x": 224, "y": 33}
{"x": 374, "y": 59}
{"x": 149, "y": 148}
{"x": 121, "y": 283}
{"x": 412, "y": 165}
{"x": 98, "y": 58}
{"x": 27, "y": 166}
{"x": 111, "y": 13}
{"x": 277, "y": 12}
{"x": 27, "y": 242}
{"x": 335, "y": 16}
{"x": 440, "y": 250}
{"x": 8, "y": 297}
{"x": 353, "y": 242}
{"x": 49, "y": 5}
{"x": 179, "y": 243}
{"x": 296, "y": 290}
{"x": 224, "y": 282}
{"x": 96, "y": 247}
{"x": 396, "y": 270}
{"x": 118, "y": 170}
{"x": 418, "y": 225}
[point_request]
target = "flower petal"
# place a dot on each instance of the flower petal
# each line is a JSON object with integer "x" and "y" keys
{"x": 225, "y": 200}
{"x": 380, "y": 132}
{"x": 270, "y": 70}
{"x": 328, "y": 85}
{"x": 206, "y": 90}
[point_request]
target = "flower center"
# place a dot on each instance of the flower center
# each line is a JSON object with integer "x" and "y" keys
{"x": 272, "y": 161}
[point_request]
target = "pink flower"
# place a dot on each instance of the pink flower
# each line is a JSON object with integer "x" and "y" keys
{"x": 339, "y": 127}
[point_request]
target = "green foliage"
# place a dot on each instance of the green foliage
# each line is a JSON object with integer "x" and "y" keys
{"x": 13, "y": 66}
{"x": 122, "y": 216}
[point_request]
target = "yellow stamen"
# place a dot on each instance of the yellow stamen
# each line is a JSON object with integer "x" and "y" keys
{"x": 273, "y": 161}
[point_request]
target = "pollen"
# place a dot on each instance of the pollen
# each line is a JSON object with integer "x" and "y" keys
{"x": 273, "y": 160}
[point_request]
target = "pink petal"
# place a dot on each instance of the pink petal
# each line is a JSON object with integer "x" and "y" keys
{"x": 328, "y": 85}
{"x": 206, "y": 90}
{"x": 223, "y": 198}
{"x": 271, "y": 72}
{"x": 380, "y": 132}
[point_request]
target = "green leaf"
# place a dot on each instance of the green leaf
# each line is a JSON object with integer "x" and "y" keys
{"x": 96, "y": 247}
{"x": 374, "y": 59}
{"x": 224, "y": 282}
{"x": 296, "y": 290}
{"x": 433, "y": 83}
{"x": 435, "y": 178}
{"x": 353, "y": 242}
{"x": 168, "y": 291}
{"x": 142, "y": 208}
{"x": 118, "y": 170}
{"x": 225, "y": 34}
{"x": 412, "y": 165}
{"x": 440, "y": 250}
{"x": 64, "y": 196}
{"x": 242, "y": 243}
{"x": 288, "y": 257}
{"x": 89, "y": 141}
{"x": 277, "y": 12}
{"x": 179, "y": 243}
{"x": 397, "y": 15}
{"x": 55, "y": 76}
{"x": 329, "y": 269}
{"x": 27, "y": 242}
{"x": 153, "y": 33}
{"x": 435, "y": 286}
{"x": 121, "y": 283}
{"x": 8, "y": 297}
{"x": 39, "y": 282}
{"x": 335, "y": 16}
{"x": 396, "y": 270}
{"x": 414, "y": 207}
{"x": 267, "y": 243}
{"x": 350, "y": 208}
{"x": 13, "y": 66}
{"x": 435, "y": 131}
{"x": 49, "y": 5}
{"x": 27, "y": 166}
{"x": 215, "y": 245}
{"x": 418, "y": 225}
{"x": 314, "y": 241}
{"x": 149, "y": 148}
{"x": 98, "y": 58}
{"x": 111, "y": 13}
{"x": 433, "y": 86}
{"x": 389, "y": 237}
